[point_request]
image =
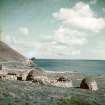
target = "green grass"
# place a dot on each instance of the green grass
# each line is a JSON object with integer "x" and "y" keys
{"x": 28, "y": 93}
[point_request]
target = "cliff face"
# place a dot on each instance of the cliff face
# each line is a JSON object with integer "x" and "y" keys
{"x": 9, "y": 54}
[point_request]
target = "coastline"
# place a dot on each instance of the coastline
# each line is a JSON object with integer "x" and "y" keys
{"x": 63, "y": 72}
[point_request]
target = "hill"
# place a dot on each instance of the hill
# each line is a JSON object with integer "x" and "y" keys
{"x": 13, "y": 61}
{"x": 9, "y": 54}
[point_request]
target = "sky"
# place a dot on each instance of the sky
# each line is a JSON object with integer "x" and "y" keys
{"x": 54, "y": 29}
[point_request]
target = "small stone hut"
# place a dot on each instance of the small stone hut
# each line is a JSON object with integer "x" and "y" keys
{"x": 34, "y": 74}
{"x": 89, "y": 83}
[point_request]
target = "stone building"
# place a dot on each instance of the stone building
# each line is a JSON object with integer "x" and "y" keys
{"x": 89, "y": 83}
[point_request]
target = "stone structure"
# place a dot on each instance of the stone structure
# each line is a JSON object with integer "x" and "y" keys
{"x": 33, "y": 74}
{"x": 62, "y": 79}
{"x": 89, "y": 83}
{"x": 62, "y": 82}
{"x": 29, "y": 62}
{"x": 2, "y": 77}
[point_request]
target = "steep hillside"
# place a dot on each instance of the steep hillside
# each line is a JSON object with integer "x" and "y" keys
{"x": 9, "y": 54}
{"x": 14, "y": 61}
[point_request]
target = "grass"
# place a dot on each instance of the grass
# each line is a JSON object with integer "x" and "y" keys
{"x": 28, "y": 93}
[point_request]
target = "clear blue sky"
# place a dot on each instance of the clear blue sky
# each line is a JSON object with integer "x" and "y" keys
{"x": 58, "y": 29}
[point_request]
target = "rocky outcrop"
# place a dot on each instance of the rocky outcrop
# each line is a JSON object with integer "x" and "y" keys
{"x": 89, "y": 83}
{"x": 33, "y": 58}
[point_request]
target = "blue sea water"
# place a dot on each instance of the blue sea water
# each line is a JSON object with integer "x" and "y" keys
{"x": 91, "y": 67}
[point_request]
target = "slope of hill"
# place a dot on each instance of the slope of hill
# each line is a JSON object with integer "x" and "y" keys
{"x": 9, "y": 54}
{"x": 15, "y": 62}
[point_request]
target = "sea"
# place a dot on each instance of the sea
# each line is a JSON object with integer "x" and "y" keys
{"x": 89, "y": 67}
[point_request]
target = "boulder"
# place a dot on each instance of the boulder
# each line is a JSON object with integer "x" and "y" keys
{"x": 89, "y": 83}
